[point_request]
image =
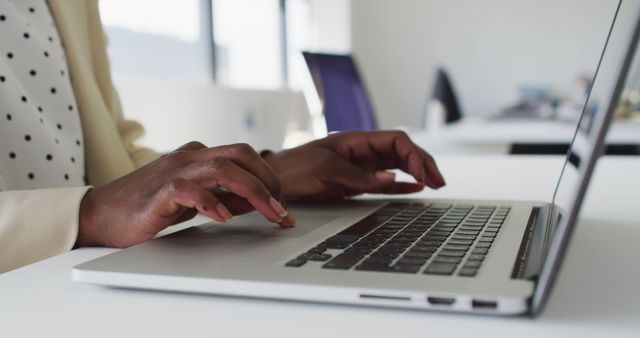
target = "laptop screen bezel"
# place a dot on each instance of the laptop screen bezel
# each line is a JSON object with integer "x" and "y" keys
{"x": 566, "y": 225}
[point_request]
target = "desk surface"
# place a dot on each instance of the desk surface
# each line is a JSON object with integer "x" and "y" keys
{"x": 473, "y": 135}
{"x": 596, "y": 294}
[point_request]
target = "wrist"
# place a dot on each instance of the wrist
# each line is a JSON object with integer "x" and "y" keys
{"x": 87, "y": 227}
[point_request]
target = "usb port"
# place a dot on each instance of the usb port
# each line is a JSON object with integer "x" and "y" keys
{"x": 441, "y": 300}
{"x": 484, "y": 304}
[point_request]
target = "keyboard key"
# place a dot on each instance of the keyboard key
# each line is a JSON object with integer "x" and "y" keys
{"x": 468, "y": 272}
{"x": 361, "y": 228}
{"x": 470, "y": 227}
{"x": 440, "y": 269}
{"x": 450, "y": 253}
{"x": 468, "y": 232}
{"x": 374, "y": 267}
{"x": 305, "y": 255}
{"x": 476, "y": 257}
{"x": 448, "y": 260}
{"x": 406, "y": 268}
{"x": 317, "y": 250}
{"x": 463, "y": 236}
{"x": 426, "y": 249}
{"x": 414, "y": 254}
{"x": 393, "y": 248}
{"x": 411, "y": 261}
{"x": 378, "y": 261}
{"x": 429, "y": 237}
{"x": 454, "y": 247}
{"x": 486, "y": 240}
{"x": 359, "y": 250}
{"x": 481, "y": 251}
{"x": 343, "y": 261}
{"x": 336, "y": 245}
{"x": 429, "y": 243}
{"x": 320, "y": 257}
{"x": 460, "y": 241}
{"x": 483, "y": 245}
{"x": 472, "y": 264}
{"x": 385, "y": 254}
{"x": 295, "y": 263}
{"x": 439, "y": 233}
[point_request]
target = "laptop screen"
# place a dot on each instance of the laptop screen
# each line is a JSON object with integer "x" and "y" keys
{"x": 603, "y": 100}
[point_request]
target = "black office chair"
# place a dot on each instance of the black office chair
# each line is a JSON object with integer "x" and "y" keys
{"x": 444, "y": 93}
{"x": 346, "y": 105}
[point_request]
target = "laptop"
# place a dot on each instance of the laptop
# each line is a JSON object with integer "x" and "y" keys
{"x": 489, "y": 257}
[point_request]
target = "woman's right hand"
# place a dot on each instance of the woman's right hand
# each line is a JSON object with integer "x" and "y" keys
{"x": 217, "y": 182}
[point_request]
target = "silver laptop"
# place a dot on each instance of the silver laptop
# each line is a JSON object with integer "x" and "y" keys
{"x": 492, "y": 257}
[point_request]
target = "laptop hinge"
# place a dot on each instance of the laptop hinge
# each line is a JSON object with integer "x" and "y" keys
{"x": 535, "y": 243}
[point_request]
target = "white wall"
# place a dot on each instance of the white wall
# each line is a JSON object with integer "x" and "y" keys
{"x": 331, "y": 25}
{"x": 490, "y": 47}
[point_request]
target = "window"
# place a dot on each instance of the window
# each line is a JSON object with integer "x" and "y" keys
{"x": 159, "y": 39}
{"x": 239, "y": 43}
{"x": 248, "y": 43}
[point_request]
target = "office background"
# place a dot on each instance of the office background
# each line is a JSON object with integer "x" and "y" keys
{"x": 491, "y": 49}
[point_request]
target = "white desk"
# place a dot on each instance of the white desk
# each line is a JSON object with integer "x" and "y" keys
{"x": 474, "y": 135}
{"x": 596, "y": 294}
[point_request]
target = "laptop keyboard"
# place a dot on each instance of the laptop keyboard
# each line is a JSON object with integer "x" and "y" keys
{"x": 435, "y": 239}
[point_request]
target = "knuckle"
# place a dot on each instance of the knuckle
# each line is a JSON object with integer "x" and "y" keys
{"x": 400, "y": 134}
{"x": 174, "y": 185}
{"x": 174, "y": 159}
{"x": 217, "y": 163}
{"x": 242, "y": 150}
{"x": 194, "y": 145}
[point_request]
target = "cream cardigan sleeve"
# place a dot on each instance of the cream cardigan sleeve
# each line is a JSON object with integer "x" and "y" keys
{"x": 37, "y": 224}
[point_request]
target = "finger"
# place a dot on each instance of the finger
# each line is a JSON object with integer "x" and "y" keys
{"x": 223, "y": 173}
{"x": 248, "y": 159}
{"x": 402, "y": 188}
{"x": 355, "y": 179}
{"x": 179, "y": 195}
{"x": 396, "y": 150}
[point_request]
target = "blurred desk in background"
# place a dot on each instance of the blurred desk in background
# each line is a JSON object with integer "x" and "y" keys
{"x": 520, "y": 137}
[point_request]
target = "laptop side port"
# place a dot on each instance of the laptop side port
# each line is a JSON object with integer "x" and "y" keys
{"x": 484, "y": 304}
{"x": 441, "y": 301}
{"x": 384, "y": 297}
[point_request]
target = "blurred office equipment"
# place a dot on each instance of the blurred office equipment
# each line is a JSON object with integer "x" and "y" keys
{"x": 175, "y": 113}
{"x": 346, "y": 105}
{"x": 443, "y": 91}
{"x": 443, "y": 106}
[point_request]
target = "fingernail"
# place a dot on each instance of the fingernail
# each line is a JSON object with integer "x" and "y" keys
{"x": 385, "y": 176}
{"x": 290, "y": 220}
{"x": 278, "y": 208}
{"x": 224, "y": 212}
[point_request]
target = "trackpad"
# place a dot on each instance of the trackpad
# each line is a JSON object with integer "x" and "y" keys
{"x": 254, "y": 224}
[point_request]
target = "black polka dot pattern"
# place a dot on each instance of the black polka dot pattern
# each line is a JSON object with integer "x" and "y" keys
{"x": 41, "y": 142}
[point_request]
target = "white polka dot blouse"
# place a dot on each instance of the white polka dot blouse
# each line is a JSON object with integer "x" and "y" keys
{"x": 41, "y": 143}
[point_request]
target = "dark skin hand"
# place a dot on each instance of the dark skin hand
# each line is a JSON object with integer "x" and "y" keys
{"x": 223, "y": 181}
